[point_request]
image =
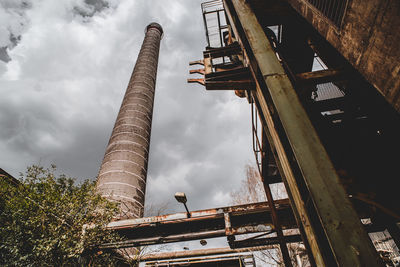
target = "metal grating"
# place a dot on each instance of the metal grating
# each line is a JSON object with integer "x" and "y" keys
{"x": 332, "y": 9}
{"x": 327, "y": 91}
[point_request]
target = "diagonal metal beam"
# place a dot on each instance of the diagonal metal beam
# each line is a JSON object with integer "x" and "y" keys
{"x": 349, "y": 243}
{"x": 275, "y": 218}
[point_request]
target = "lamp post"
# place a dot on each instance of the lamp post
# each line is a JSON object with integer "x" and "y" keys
{"x": 181, "y": 197}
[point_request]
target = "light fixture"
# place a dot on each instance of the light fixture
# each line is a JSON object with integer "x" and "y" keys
{"x": 181, "y": 198}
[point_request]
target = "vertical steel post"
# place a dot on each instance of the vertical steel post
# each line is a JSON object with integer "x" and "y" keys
{"x": 122, "y": 175}
{"x": 275, "y": 220}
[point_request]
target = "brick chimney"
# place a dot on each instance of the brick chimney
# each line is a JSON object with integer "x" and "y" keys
{"x": 122, "y": 175}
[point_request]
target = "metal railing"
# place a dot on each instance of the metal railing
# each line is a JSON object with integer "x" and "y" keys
{"x": 257, "y": 147}
{"x": 214, "y": 22}
{"x": 334, "y": 10}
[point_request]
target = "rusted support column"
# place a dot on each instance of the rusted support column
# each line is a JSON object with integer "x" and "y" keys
{"x": 122, "y": 175}
{"x": 278, "y": 228}
{"x": 349, "y": 243}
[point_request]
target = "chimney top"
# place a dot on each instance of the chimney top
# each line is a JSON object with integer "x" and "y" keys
{"x": 156, "y": 26}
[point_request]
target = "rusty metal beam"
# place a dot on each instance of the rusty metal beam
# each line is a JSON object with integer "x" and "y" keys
{"x": 283, "y": 164}
{"x": 270, "y": 241}
{"x": 281, "y": 157}
{"x": 216, "y": 212}
{"x": 199, "y": 81}
{"x": 162, "y": 239}
{"x": 321, "y": 76}
{"x": 274, "y": 215}
{"x": 229, "y": 85}
{"x": 226, "y": 221}
{"x": 196, "y": 62}
{"x": 225, "y": 51}
{"x": 228, "y": 75}
{"x": 199, "y": 71}
{"x": 226, "y": 260}
{"x": 349, "y": 243}
{"x": 199, "y": 253}
{"x": 223, "y": 76}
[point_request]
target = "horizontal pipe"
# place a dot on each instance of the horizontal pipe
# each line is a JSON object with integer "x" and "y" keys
{"x": 200, "y": 214}
{"x": 199, "y": 252}
{"x": 161, "y": 239}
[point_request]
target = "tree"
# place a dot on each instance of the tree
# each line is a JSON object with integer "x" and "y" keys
{"x": 42, "y": 221}
{"x": 252, "y": 191}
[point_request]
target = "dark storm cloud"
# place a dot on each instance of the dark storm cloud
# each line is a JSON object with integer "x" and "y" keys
{"x": 4, "y": 55}
{"x": 64, "y": 84}
{"x": 15, "y": 4}
{"x": 98, "y": 5}
{"x": 90, "y": 7}
{"x": 13, "y": 22}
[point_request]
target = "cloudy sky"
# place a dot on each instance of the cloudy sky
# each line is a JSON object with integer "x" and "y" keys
{"x": 64, "y": 67}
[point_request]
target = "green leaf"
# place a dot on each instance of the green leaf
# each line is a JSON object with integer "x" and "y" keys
{"x": 41, "y": 221}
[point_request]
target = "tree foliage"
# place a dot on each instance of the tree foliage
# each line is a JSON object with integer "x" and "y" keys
{"x": 42, "y": 221}
{"x": 251, "y": 190}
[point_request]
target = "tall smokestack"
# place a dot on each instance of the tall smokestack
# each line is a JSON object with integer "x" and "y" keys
{"x": 122, "y": 175}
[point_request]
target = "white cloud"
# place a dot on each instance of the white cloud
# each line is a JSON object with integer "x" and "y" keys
{"x": 62, "y": 89}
